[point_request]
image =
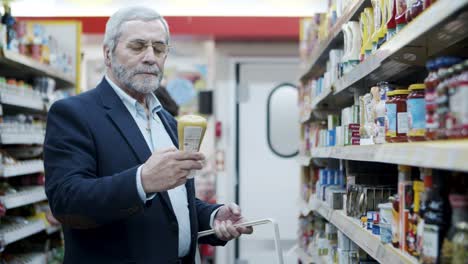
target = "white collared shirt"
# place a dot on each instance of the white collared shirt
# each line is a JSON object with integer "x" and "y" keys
{"x": 157, "y": 138}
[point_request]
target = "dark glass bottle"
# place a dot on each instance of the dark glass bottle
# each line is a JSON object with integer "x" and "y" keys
{"x": 436, "y": 219}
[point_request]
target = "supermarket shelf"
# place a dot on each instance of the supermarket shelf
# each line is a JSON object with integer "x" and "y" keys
{"x": 363, "y": 238}
{"x": 447, "y": 154}
{"x": 442, "y": 27}
{"x": 21, "y": 100}
{"x": 334, "y": 40}
{"x": 14, "y": 232}
{"x": 28, "y": 195}
{"x": 22, "y": 168}
{"x": 26, "y": 139}
{"x": 29, "y": 258}
{"x": 13, "y": 64}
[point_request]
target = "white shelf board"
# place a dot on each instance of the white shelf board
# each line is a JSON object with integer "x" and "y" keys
{"x": 446, "y": 154}
{"x": 22, "y": 168}
{"x": 22, "y": 100}
{"x": 26, "y": 196}
{"x": 362, "y": 237}
{"x": 26, "y": 139}
{"x": 303, "y": 160}
{"x": 29, "y": 258}
{"x": 14, "y": 232}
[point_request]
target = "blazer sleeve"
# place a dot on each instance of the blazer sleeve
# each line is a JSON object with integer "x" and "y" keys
{"x": 78, "y": 197}
{"x": 204, "y": 211}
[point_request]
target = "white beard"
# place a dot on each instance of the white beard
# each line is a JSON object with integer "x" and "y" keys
{"x": 145, "y": 84}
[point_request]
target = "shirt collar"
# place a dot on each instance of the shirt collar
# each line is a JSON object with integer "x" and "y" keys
{"x": 131, "y": 103}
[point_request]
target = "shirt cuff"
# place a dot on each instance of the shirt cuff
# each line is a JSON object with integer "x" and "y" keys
{"x": 141, "y": 192}
{"x": 212, "y": 217}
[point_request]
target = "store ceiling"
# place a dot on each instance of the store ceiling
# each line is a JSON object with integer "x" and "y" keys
{"x": 254, "y": 8}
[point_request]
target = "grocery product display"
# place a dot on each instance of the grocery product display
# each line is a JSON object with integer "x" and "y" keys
{"x": 35, "y": 71}
{"x": 388, "y": 143}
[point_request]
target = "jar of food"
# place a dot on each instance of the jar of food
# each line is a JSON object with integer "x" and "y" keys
{"x": 457, "y": 123}
{"x": 416, "y": 8}
{"x": 444, "y": 74}
{"x": 416, "y": 112}
{"x": 460, "y": 244}
{"x": 399, "y": 98}
{"x": 390, "y": 117}
{"x": 400, "y": 17}
{"x": 431, "y": 82}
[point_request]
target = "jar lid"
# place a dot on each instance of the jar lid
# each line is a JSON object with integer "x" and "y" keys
{"x": 401, "y": 92}
{"x": 417, "y": 86}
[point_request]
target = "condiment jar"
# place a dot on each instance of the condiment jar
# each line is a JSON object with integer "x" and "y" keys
{"x": 400, "y": 97}
{"x": 431, "y": 83}
{"x": 416, "y": 112}
{"x": 390, "y": 117}
{"x": 457, "y": 123}
{"x": 400, "y": 17}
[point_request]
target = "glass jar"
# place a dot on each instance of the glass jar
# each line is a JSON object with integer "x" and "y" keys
{"x": 457, "y": 124}
{"x": 390, "y": 117}
{"x": 431, "y": 82}
{"x": 399, "y": 98}
{"x": 443, "y": 75}
{"x": 416, "y": 112}
{"x": 460, "y": 244}
{"x": 416, "y": 8}
{"x": 428, "y": 3}
{"x": 400, "y": 17}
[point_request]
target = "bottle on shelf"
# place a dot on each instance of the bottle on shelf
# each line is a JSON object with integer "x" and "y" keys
{"x": 9, "y": 21}
{"x": 416, "y": 112}
{"x": 436, "y": 219}
{"x": 431, "y": 83}
{"x": 400, "y": 99}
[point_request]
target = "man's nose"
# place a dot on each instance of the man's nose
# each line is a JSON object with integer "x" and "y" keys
{"x": 149, "y": 57}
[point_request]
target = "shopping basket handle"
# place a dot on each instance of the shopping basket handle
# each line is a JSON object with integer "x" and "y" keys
{"x": 279, "y": 251}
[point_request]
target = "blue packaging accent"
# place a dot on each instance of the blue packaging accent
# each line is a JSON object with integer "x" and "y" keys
{"x": 331, "y": 137}
{"x": 330, "y": 178}
{"x": 376, "y": 229}
{"x": 385, "y": 233}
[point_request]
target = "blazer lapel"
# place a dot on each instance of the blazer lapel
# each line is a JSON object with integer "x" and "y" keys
{"x": 126, "y": 125}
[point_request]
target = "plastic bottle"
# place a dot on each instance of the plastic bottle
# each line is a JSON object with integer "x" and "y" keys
{"x": 346, "y": 48}
{"x": 369, "y": 11}
{"x": 363, "y": 27}
{"x": 377, "y": 24}
{"x": 458, "y": 92}
{"x": 355, "y": 43}
{"x": 400, "y": 17}
{"x": 391, "y": 22}
{"x": 390, "y": 117}
{"x": 382, "y": 36}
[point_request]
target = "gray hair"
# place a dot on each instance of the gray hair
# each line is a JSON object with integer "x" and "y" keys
{"x": 114, "y": 24}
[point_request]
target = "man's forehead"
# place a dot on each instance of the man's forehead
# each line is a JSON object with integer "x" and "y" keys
{"x": 149, "y": 30}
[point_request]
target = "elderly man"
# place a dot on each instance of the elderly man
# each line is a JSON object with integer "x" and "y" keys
{"x": 114, "y": 178}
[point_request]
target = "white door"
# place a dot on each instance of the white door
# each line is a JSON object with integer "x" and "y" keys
{"x": 268, "y": 184}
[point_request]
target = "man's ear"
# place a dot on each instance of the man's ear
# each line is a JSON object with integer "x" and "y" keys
{"x": 107, "y": 56}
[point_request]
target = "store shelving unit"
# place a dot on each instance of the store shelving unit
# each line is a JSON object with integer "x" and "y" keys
{"x": 25, "y": 196}
{"x": 440, "y": 30}
{"x": 14, "y": 232}
{"x": 401, "y": 56}
{"x": 451, "y": 154}
{"x": 363, "y": 238}
{"x": 22, "y": 66}
{"x": 22, "y": 168}
{"x": 29, "y": 258}
{"x": 24, "y": 139}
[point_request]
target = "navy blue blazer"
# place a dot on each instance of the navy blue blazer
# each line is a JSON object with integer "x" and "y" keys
{"x": 92, "y": 150}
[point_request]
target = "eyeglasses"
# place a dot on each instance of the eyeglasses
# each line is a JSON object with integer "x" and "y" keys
{"x": 160, "y": 49}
